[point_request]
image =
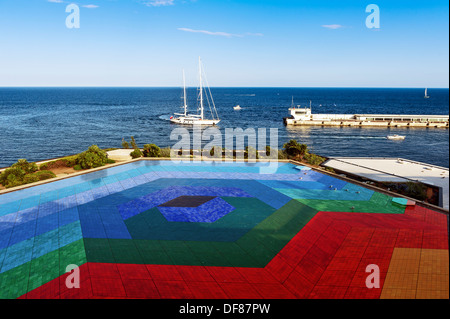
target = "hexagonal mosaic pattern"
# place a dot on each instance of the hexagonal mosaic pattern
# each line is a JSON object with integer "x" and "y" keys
{"x": 153, "y": 229}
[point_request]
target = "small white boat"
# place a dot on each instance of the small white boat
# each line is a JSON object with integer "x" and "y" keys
{"x": 395, "y": 137}
{"x": 237, "y": 108}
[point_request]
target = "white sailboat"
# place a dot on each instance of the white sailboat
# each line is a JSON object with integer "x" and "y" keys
{"x": 198, "y": 119}
{"x": 426, "y": 95}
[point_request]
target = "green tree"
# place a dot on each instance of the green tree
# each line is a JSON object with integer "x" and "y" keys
{"x": 133, "y": 143}
{"x": 294, "y": 149}
{"x": 125, "y": 144}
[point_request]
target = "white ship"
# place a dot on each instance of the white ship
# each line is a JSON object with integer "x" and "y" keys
{"x": 303, "y": 116}
{"x": 197, "y": 119}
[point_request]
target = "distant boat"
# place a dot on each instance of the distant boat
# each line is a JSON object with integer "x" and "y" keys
{"x": 426, "y": 95}
{"x": 237, "y": 108}
{"x": 395, "y": 137}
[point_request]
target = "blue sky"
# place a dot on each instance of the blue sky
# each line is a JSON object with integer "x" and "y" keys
{"x": 274, "y": 43}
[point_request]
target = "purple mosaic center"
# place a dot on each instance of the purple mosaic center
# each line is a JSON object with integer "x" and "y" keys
{"x": 208, "y": 212}
{"x": 187, "y": 201}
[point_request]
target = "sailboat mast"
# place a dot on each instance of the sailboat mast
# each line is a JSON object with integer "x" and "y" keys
{"x": 201, "y": 88}
{"x": 184, "y": 91}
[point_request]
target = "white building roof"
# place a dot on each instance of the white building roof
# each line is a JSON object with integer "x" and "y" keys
{"x": 394, "y": 170}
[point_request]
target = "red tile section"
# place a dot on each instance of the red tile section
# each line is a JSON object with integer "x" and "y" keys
{"x": 326, "y": 259}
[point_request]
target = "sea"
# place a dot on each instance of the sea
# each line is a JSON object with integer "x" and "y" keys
{"x": 44, "y": 123}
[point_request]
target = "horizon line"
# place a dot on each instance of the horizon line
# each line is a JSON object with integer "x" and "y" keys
{"x": 231, "y": 87}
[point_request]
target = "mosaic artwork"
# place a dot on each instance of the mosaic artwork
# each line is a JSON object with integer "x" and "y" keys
{"x": 151, "y": 229}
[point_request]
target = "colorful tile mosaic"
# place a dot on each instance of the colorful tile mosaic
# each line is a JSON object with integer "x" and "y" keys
{"x": 155, "y": 229}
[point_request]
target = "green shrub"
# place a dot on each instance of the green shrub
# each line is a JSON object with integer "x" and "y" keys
{"x": 77, "y": 167}
{"x": 38, "y": 176}
{"x": 31, "y": 178}
{"x": 43, "y": 175}
{"x": 69, "y": 161}
{"x": 271, "y": 153}
{"x": 93, "y": 157}
{"x": 25, "y": 166}
{"x": 282, "y": 155}
{"x": 136, "y": 153}
{"x": 12, "y": 177}
{"x": 313, "y": 159}
{"x": 165, "y": 152}
{"x": 110, "y": 161}
{"x": 151, "y": 150}
{"x": 21, "y": 173}
{"x": 15, "y": 175}
{"x": 329, "y": 169}
{"x": 251, "y": 153}
{"x": 416, "y": 190}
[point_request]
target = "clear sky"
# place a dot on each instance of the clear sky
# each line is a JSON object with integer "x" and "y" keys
{"x": 287, "y": 43}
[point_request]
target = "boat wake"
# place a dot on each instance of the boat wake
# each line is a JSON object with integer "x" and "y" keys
{"x": 357, "y": 137}
{"x": 164, "y": 117}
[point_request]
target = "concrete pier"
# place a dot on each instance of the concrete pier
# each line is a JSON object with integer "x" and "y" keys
{"x": 304, "y": 117}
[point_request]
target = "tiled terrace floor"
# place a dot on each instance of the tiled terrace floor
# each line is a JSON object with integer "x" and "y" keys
{"x": 225, "y": 230}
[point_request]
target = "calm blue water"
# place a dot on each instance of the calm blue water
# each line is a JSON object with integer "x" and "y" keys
{"x": 42, "y": 123}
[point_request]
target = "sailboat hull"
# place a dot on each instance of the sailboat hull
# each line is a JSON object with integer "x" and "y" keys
{"x": 194, "y": 121}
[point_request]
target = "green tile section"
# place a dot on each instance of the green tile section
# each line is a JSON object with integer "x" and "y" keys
{"x": 254, "y": 249}
{"x": 248, "y": 213}
{"x": 98, "y": 250}
{"x": 378, "y": 203}
{"x": 270, "y": 236}
{"x": 14, "y": 282}
{"x": 24, "y": 278}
